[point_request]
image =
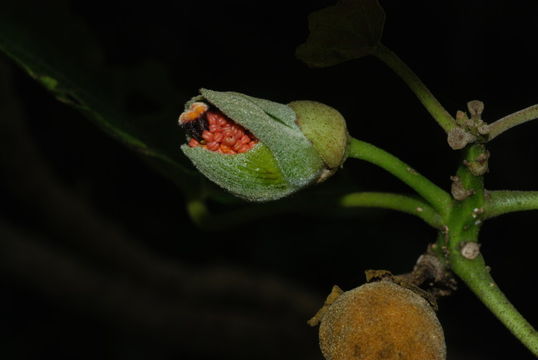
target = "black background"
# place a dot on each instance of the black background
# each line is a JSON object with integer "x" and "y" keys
{"x": 462, "y": 50}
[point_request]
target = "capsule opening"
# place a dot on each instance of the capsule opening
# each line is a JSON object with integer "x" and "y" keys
{"x": 212, "y": 130}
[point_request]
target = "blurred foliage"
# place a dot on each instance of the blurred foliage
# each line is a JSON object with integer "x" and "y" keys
{"x": 134, "y": 104}
{"x": 348, "y": 30}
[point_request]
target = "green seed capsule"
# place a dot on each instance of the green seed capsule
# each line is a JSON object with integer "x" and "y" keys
{"x": 261, "y": 150}
{"x": 326, "y": 128}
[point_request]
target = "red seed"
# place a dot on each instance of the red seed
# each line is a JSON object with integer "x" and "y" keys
{"x": 193, "y": 143}
{"x": 244, "y": 139}
{"x": 213, "y": 128}
{"x": 212, "y": 118}
{"x": 224, "y": 136}
{"x": 213, "y": 146}
{"x": 228, "y": 133}
{"x": 207, "y": 136}
{"x": 218, "y": 137}
{"x": 243, "y": 148}
{"x": 229, "y": 141}
{"x": 237, "y": 146}
{"x": 224, "y": 148}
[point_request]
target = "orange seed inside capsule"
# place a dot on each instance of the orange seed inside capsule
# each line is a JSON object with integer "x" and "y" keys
{"x": 223, "y": 135}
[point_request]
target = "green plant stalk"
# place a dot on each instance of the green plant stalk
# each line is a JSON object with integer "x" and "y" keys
{"x": 439, "y": 199}
{"x": 434, "y": 107}
{"x": 509, "y": 121}
{"x": 475, "y": 274}
{"x": 201, "y": 215}
{"x": 403, "y": 203}
{"x": 506, "y": 201}
{"x": 462, "y": 228}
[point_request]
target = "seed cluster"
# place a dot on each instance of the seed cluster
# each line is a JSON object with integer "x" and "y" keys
{"x": 224, "y": 135}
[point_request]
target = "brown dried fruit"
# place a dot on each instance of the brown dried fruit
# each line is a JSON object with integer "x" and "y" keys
{"x": 381, "y": 320}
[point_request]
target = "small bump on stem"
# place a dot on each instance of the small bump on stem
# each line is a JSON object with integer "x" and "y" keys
{"x": 470, "y": 250}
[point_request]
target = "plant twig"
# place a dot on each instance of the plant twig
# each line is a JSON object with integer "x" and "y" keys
{"x": 459, "y": 244}
{"x": 434, "y": 195}
{"x": 475, "y": 274}
{"x": 434, "y": 107}
{"x": 506, "y": 201}
{"x": 403, "y": 203}
{"x": 509, "y": 121}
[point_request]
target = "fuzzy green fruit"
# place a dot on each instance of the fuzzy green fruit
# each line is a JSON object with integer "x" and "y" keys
{"x": 326, "y": 128}
{"x": 297, "y": 145}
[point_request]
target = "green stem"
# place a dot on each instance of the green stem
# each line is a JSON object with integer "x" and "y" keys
{"x": 434, "y": 107}
{"x": 462, "y": 229}
{"x": 403, "y": 203}
{"x": 505, "y": 201}
{"x": 434, "y": 195}
{"x": 201, "y": 215}
{"x": 509, "y": 121}
{"x": 475, "y": 274}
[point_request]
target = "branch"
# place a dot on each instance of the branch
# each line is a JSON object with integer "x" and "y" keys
{"x": 403, "y": 203}
{"x": 476, "y": 275}
{"x": 459, "y": 242}
{"x": 507, "y": 201}
{"x": 434, "y": 195}
{"x": 434, "y": 107}
{"x": 520, "y": 117}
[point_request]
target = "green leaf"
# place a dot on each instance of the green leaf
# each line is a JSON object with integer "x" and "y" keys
{"x": 348, "y": 30}
{"x": 59, "y": 51}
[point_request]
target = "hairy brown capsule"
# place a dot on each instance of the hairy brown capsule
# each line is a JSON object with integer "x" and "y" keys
{"x": 381, "y": 321}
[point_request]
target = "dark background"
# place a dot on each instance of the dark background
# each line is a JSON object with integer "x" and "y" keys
{"x": 112, "y": 267}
